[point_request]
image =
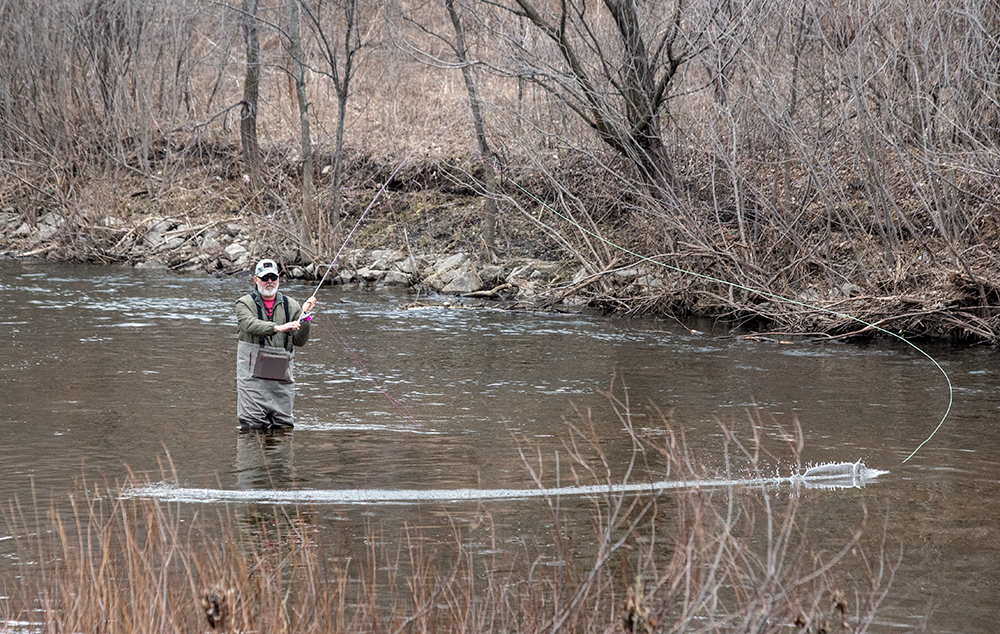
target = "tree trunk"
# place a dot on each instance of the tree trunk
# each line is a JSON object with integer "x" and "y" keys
{"x": 489, "y": 179}
{"x": 295, "y": 46}
{"x": 251, "y": 84}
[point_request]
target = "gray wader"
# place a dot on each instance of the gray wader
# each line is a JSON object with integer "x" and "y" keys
{"x": 263, "y": 403}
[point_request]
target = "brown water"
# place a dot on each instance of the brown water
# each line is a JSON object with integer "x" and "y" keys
{"x": 107, "y": 369}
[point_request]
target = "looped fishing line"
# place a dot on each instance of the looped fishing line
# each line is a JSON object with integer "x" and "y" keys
{"x": 763, "y": 293}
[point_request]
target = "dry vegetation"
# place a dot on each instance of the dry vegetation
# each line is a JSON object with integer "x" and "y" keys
{"x": 842, "y": 153}
{"x": 734, "y": 559}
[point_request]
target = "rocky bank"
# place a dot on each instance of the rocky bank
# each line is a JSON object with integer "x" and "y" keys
{"x": 230, "y": 247}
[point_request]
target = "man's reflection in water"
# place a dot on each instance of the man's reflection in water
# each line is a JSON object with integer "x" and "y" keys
{"x": 264, "y": 460}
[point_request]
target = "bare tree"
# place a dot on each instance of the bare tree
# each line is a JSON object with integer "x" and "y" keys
{"x": 615, "y": 68}
{"x": 340, "y": 54}
{"x": 298, "y": 73}
{"x": 251, "y": 85}
{"x": 475, "y": 104}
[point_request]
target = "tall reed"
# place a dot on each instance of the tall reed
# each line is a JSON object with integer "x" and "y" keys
{"x": 732, "y": 559}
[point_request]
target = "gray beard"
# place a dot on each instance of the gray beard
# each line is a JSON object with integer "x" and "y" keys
{"x": 264, "y": 293}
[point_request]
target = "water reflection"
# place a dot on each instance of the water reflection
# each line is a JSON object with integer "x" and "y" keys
{"x": 264, "y": 460}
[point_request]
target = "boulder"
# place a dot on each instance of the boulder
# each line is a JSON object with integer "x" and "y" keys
{"x": 154, "y": 235}
{"x": 48, "y": 225}
{"x": 464, "y": 280}
{"x": 208, "y": 242}
{"x": 627, "y": 275}
{"x": 396, "y": 278}
{"x": 536, "y": 270}
{"x": 151, "y": 265}
{"x": 235, "y": 251}
{"x": 370, "y": 275}
{"x": 237, "y": 255}
{"x": 411, "y": 265}
{"x": 450, "y": 263}
{"x": 491, "y": 274}
{"x": 382, "y": 258}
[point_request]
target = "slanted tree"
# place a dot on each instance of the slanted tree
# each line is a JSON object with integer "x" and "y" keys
{"x": 294, "y": 41}
{"x": 251, "y": 85}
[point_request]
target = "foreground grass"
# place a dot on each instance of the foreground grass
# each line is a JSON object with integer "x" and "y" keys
{"x": 737, "y": 559}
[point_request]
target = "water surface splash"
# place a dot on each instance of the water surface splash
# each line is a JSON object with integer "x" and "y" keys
{"x": 834, "y": 475}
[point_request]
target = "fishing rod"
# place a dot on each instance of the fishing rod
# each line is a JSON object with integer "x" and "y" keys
{"x": 761, "y": 292}
{"x": 331, "y": 329}
{"x": 372, "y": 204}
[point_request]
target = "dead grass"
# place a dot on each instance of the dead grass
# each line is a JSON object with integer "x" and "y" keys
{"x": 732, "y": 559}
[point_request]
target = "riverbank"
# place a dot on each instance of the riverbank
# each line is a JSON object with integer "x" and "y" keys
{"x": 426, "y": 234}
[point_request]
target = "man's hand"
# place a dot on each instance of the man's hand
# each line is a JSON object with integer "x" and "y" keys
{"x": 309, "y": 305}
{"x": 292, "y": 325}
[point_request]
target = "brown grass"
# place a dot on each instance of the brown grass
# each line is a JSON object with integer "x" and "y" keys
{"x": 736, "y": 559}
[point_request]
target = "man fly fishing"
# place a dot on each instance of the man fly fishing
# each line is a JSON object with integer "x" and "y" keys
{"x": 271, "y": 326}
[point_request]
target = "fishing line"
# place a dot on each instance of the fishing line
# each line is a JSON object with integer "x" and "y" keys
{"x": 763, "y": 293}
{"x": 842, "y": 476}
{"x": 335, "y": 334}
{"x": 331, "y": 329}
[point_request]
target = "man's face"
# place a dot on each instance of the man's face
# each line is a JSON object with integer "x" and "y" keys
{"x": 267, "y": 285}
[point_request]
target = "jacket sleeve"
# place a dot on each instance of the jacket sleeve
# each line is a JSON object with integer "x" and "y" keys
{"x": 246, "y": 317}
{"x": 300, "y": 336}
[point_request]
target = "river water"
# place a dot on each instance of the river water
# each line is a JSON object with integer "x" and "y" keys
{"x": 108, "y": 370}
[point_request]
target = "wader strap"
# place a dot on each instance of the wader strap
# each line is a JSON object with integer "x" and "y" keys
{"x": 284, "y": 301}
{"x": 260, "y": 316}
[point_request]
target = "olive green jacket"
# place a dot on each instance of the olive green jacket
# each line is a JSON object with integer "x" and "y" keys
{"x": 251, "y": 327}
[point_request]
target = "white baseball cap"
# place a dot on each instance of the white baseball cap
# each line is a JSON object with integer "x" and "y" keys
{"x": 264, "y": 267}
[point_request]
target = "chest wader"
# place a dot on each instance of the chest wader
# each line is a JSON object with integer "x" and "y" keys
{"x": 265, "y": 384}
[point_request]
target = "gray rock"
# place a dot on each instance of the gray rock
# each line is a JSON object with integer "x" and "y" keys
{"x": 382, "y": 258}
{"x": 850, "y": 290}
{"x": 464, "y": 280}
{"x": 437, "y": 281}
{"x": 629, "y": 274}
{"x": 452, "y": 262}
{"x": 411, "y": 266}
{"x": 151, "y": 265}
{"x": 235, "y": 251}
{"x": 396, "y": 278}
{"x": 48, "y": 225}
{"x": 491, "y": 273}
{"x": 154, "y": 235}
{"x": 580, "y": 275}
{"x": 52, "y": 219}
{"x": 24, "y": 230}
{"x": 370, "y": 275}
